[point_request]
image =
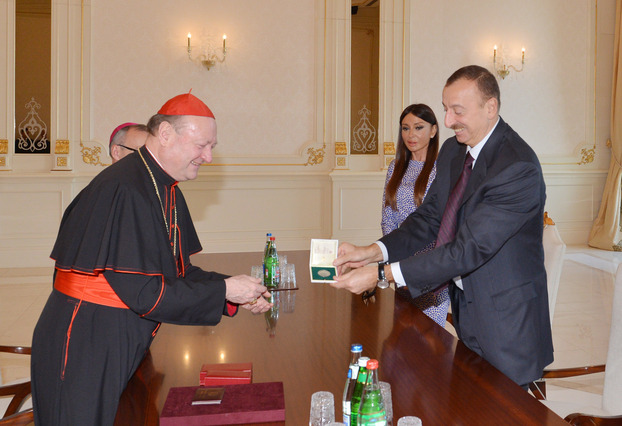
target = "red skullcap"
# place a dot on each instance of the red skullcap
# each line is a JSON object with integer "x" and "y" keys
{"x": 186, "y": 104}
{"x": 115, "y": 131}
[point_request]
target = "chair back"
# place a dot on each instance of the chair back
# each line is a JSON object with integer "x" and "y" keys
{"x": 15, "y": 396}
{"x": 554, "y": 250}
{"x": 612, "y": 392}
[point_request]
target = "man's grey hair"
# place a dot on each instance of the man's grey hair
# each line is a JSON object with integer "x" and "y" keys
{"x": 154, "y": 122}
{"x": 119, "y": 137}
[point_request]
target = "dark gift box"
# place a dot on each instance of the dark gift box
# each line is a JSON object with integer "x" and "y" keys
{"x": 241, "y": 404}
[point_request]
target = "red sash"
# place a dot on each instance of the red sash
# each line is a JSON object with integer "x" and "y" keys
{"x": 90, "y": 288}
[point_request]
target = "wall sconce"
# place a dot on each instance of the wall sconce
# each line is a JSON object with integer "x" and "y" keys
{"x": 502, "y": 69}
{"x": 210, "y": 57}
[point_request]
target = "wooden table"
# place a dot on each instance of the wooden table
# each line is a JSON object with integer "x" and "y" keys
{"x": 432, "y": 374}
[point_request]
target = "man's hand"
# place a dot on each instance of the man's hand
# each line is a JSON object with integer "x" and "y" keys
{"x": 247, "y": 291}
{"x": 351, "y": 256}
{"x": 243, "y": 289}
{"x": 260, "y": 305}
{"x": 358, "y": 280}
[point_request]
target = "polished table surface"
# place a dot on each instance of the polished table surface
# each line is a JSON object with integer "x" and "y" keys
{"x": 433, "y": 375}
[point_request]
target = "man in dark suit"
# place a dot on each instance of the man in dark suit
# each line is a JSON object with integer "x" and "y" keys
{"x": 493, "y": 261}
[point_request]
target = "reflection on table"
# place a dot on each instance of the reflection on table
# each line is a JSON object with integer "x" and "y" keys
{"x": 433, "y": 376}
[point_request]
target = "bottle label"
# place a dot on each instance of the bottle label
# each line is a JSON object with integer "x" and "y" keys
{"x": 372, "y": 423}
{"x": 346, "y": 419}
{"x": 271, "y": 272}
{"x": 373, "y": 419}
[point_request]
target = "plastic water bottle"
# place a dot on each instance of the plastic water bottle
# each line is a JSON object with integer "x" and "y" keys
{"x": 353, "y": 372}
{"x": 265, "y": 249}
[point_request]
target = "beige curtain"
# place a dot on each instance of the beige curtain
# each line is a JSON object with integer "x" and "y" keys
{"x": 605, "y": 233}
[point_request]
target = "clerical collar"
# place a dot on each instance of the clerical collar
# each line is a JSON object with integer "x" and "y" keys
{"x": 478, "y": 148}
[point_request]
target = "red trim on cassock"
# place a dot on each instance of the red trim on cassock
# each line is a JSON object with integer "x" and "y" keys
{"x": 231, "y": 309}
{"x": 157, "y": 301}
{"x": 181, "y": 263}
{"x": 155, "y": 330}
{"x": 66, "y": 355}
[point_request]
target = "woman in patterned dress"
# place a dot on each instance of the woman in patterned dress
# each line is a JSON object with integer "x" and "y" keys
{"x": 408, "y": 179}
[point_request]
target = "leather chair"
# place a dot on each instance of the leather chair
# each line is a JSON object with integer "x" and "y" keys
{"x": 19, "y": 391}
{"x": 608, "y": 409}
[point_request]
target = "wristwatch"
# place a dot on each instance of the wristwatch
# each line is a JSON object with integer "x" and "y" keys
{"x": 382, "y": 279}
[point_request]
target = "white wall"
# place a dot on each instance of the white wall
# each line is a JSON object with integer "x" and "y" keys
{"x": 280, "y": 102}
{"x": 550, "y": 103}
{"x": 559, "y": 103}
{"x": 263, "y": 95}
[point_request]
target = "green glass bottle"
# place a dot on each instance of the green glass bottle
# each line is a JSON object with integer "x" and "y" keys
{"x": 271, "y": 272}
{"x": 358, "y": 390}
{"x": 272, "y": 315}
{"x": 371, "y": 409}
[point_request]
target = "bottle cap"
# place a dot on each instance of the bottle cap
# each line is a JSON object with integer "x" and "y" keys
{"x": 272, "y": 238}
{"x": 372, "y": 364}
{"x": 363, "y": 361}
{"x": 269, "y": 234}
{"x": 356, "y": 347}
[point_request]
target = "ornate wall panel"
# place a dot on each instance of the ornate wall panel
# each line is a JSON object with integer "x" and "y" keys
{"x": 233, "y": 202}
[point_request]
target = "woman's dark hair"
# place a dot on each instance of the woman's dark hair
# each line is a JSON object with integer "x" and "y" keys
{"x": 403, "y": 156}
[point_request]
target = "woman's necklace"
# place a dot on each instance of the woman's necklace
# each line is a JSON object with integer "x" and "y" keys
{"x": 168, "y": 230}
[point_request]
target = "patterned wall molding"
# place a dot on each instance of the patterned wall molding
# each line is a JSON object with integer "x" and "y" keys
{"x": 62, "y": 159}
{"x": 341, "y": 156}
{"x": 4, "y": 155}
{"x": 91, "y": 155}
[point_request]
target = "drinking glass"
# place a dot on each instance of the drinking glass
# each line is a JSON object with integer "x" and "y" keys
{"x": 385, "y": 390}
{"x": 322, "y": 409}
{"x": 288, "y": 280}
{"x": 288, "y": 276}
{"x": 257, "y": 271}
{"x": 282, "y": 260}
{"x": 409, "y": 421}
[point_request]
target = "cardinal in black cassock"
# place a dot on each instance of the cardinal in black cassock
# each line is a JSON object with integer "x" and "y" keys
{"x": 122, "y": 268}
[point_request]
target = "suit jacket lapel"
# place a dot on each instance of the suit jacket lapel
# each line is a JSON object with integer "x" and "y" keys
{"x": 483, "y": 160}
{"x": 457, "y": 163}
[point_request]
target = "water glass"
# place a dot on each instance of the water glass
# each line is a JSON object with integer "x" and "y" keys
{"x": 385, "y": 390}
{"x": 257, "y": 271}
{"x": 282, "y": 260}
{"x": 288, "y": 280}
{"x": 409, "y": 421}
{"x": 322, "y": 409}
{"x": 288, "y": 276}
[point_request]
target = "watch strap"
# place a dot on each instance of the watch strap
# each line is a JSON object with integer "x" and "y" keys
{"x": 381, "y": 275}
